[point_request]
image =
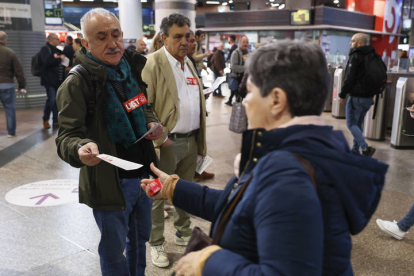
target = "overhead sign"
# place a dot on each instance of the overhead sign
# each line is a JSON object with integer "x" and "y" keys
{"x": 53, "y": 12}
{"x": 45, "y": 193}
{"x": 15, "y": 15}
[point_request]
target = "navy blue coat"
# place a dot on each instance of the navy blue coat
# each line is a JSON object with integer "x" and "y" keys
{"x": 50, "y": 75}
{"x": 282, "y": 226}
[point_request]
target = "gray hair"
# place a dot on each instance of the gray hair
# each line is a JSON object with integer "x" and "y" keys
{"x": 3, "y": 36}
{"x": 298, "y": 68}
{"x": 97, "y": 11}
{"x": 174, "y": 18}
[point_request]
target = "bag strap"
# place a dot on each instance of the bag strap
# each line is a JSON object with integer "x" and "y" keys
{"x": 309, "y": 169}
{"x": 221, "y": 226}
{"x": 89, "y": 93}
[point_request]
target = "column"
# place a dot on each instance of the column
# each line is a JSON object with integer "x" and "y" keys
{"x": 165, "y": 7}
{"x": 130, "y": 17}
{"x": 298, "y": 4}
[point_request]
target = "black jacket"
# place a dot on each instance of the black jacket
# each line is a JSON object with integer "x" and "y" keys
{"x": 51, "y": 60}
{"x": 355, "y": 72}
{"x": 69, "y": 53}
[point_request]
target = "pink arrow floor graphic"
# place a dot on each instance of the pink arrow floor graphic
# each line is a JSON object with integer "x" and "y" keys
{"x": 44, "y": 198}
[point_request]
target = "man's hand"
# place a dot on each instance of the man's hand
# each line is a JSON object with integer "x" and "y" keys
{"x": 341, "y": 101}
{"x": 206, "y": 54}
{"x": 188, "y": 265}
{"x": 162, "y": 176}
{"x": 156, "y": 134}
{"x": 167, "y": 142}
{"x": 221, "y": 72}
{"x": 62, "y": 57}
{"x": 87, "y": 154}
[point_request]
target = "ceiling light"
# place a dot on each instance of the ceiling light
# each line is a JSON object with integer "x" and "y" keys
{"x": 224, "y": 4}
{"x": 272, "y": 0}
{"x": 86, "y": 0}
{"x": 282, "y": 6}
{"x": 213, "y": 2}
{"x": 144, "y": 1}
{"x": 336, "y": 1}
{"x": 231, "y": 2}
{"x": 67, "y": 0}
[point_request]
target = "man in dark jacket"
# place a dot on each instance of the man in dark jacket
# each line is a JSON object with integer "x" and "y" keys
{"x": 10, "y": 67}
{"x": 358, "y": 102}
{"x": 51, "y": 59}
{"x": 68, "y": 50}
{"x": 218, "y": 65}
{"x": 120, "y": 117}
{"x": 232, "y": 41}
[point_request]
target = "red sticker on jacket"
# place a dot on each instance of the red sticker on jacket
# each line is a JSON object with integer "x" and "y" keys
{"x": 135, "y": 102}
{"x": 192, "y": 81}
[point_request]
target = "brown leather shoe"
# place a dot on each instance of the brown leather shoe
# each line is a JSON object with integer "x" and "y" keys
{"x": 204, "y": 175}
{"x": 55, "y": 124}
{"x": 46, "y": 124}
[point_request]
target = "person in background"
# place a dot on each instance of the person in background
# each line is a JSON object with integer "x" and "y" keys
{"x": 121, "y": 210}
{"x": 232, "y": 41}
{"x": 399, "y": 229}
{"x": 51, "y": 58}
{"x": 217, "y": 66}
{"x": 299, "y": 203}
{"x": 68, "y": 51}
{"x": 199, "y": 54}
{"x": 10, "y": 67}
{"x": 358, "y": 102}
{"x": 173, "y": 85}
{"x": 192, "y": 46}
{"x": 238, "y": 58}
{"x": 157, "y": 43}
{"x": 141, "y": 46}
{"x": 131, "y": 46}
{"x": 77, "y": 44}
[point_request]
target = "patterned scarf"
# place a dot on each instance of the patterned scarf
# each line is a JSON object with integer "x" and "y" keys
{"x": 120, "y": 129}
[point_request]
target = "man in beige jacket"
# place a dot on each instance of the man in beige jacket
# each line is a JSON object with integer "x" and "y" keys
{"x": 173, "y": 84}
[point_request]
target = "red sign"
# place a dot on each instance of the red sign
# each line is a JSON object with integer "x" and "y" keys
{"x": 192, "y": 81}
{"x": 135, "y": 102}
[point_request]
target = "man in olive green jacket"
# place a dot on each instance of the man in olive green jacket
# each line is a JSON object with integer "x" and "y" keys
{"x": 173, "y": 84}
{"x": 120, "y": 116}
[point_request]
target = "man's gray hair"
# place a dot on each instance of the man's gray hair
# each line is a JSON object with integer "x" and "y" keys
{"x": 174, "y": 18}
{"x": 97, "y": 11}
{"x": 298, "y": 68}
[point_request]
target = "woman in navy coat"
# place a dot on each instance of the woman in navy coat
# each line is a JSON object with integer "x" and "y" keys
{"x": 284, "y": 225}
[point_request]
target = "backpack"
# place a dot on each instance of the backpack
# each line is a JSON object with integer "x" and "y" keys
{"x": 209, "y": 60}
{"x": 37, "y": 65}
{"x": 89, "y": 93}
{"x": 375, "y": 77}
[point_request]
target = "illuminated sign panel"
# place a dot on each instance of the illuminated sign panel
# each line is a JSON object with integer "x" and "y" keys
{"x": 300, "y": 17}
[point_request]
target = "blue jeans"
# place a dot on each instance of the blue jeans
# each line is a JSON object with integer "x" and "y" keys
{"x": 218, "y": 90}
{"x": 50, "y": 105}
{"x": 125, "y": 230}
{"x": 8, "y": 99}
{"x": 356, "y": 109}
{"x": 407, "y": 221}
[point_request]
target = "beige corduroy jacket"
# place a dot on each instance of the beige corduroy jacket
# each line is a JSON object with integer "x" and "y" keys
{"x": 163, "y": 96}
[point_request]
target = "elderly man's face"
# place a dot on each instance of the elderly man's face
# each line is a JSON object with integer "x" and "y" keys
{"x": 54, "y": 40}
{"x": 244, "y": 44}
{"x": 104, "y": 39}
{"x": 141, "y": 46}
{"x": 177, "y": 41}
{"x": 192, "y": 45}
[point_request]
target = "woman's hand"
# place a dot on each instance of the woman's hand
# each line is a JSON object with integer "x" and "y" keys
{"x": 162, "y": 177}
{"x": 188, "y": 265}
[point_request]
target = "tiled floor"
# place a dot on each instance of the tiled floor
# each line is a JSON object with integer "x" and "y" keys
{"x": 62, "y": 240}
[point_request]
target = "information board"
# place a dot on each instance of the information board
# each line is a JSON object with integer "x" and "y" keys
{"x": 300, "y": 17}
{"x": 53, "y": 12}
{"x": 15, "y": 15}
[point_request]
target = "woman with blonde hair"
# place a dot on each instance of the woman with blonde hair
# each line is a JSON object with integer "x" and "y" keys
{"x": 157, "y": 43}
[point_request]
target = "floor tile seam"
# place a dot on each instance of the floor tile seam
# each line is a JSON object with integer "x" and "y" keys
{"x": 50, "y": 229}
{"x": 38, "y": 160}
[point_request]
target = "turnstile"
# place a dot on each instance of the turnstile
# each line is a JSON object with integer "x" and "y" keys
{"x": 338, "y": 108}
{"x": 402, "y": 135}
{"x": 374, "y": 121}
{"x": 328, "y": 102}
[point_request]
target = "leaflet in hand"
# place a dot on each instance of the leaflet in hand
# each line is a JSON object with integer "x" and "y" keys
{"x": 215, "y": 85}
{"x": 203, "y": 163}
{"x": 118, "y": 162}
{"x": 65, "y": 62}
{"x": 153, "y": 128}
